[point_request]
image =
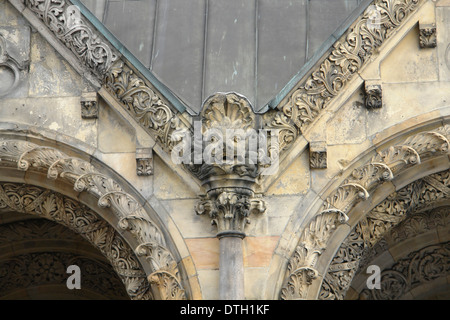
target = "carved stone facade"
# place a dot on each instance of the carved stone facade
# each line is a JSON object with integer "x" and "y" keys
{"x": 347, "y": 167}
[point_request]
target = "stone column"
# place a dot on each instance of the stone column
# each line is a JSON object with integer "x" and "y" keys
{"x": 231, "y": 282}
{"x": 229, "y": 209}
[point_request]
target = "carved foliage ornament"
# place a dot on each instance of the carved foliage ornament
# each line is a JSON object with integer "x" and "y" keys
{"x": 382, "y": 167}
{"x": 230, "y": 209}
{"x": 385, "y": 221}
{"x": 65, "y": 21}
{"x": 420, "y": 267}
{"x": 84, "y": 177}
{"x": 349, "y": 55}
{"x": 36, "y": 269}
{"x": 427, "y": 35}
{"x": 291, "y": 117}
{"x": 65, "y": 211}
{"x": 142, "y": 102}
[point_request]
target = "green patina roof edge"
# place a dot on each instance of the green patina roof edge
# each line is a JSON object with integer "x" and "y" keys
{"x": 162, "y": 88}
{"x": 306, "y": 68}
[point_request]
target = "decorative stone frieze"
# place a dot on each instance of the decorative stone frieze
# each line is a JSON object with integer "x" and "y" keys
{"x": 427, "y": 35}
{"x": 373, "y": 94}
{"x": 395, "y": 218}
{"x": 298, "y": 110}
{"x": 418, "y": 268}
{"x": 143, "y": 102}
{"x": 68, "y": 25}
{"x": 318, "y": 155}
{"x": 63, "y": 210}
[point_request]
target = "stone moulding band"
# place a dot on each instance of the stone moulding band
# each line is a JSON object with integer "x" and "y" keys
{"x": 362, "y": 181}
{"x": 84, "y": 177}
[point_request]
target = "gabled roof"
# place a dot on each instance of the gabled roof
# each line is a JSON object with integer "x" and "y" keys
{"x": 200, "y": 47}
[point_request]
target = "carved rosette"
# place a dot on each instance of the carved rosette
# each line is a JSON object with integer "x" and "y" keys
{"x": 230, "y": 209}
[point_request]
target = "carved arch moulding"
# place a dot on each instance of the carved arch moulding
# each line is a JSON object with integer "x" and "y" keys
{"x": 348, "y": 202}
{"x": 161, "y": 114}
{"x": 154, "y": 272}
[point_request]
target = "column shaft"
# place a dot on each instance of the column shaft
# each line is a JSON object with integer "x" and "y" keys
{"x": 231, "y": 269}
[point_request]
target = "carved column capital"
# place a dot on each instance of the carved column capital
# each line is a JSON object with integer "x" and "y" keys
{"x": 230, "y": 209}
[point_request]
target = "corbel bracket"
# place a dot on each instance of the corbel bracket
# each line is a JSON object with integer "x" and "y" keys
{"x": 144, "y": 161}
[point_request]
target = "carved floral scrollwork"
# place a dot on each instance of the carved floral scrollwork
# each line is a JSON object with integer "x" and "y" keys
{"x": 65, "y": 21}
{"x": 417, "y": 268}
{"x": 350, "y": 53}
{"x": 84, "y": 177}
{"x": 67, "y": 212}
{"x": 383, "y": 167}
{"x": 142, "y": 101}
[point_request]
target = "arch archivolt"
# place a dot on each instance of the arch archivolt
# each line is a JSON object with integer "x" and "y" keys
{"x": 35, "y": 254}
{"x": 407, "y": 213}
{"x": 148, "y": 271}
{"x": 414, "y": 256}
{"x": 56, "y": 207}
{"x": 367, "y": 198}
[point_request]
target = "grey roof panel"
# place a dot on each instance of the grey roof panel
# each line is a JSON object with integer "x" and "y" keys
{"x": 199, "y": 47}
